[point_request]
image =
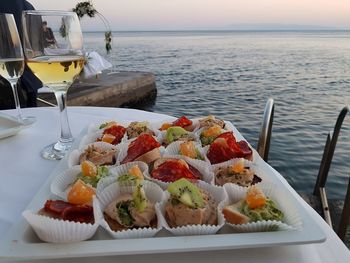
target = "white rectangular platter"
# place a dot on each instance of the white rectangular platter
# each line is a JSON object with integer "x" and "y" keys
{"x": 22, "y": 243}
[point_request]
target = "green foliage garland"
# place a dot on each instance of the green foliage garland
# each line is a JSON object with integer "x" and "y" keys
{"x": 87, "y": 8}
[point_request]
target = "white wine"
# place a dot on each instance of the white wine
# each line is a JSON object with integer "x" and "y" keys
{"x": 11, "y": 68}
{"x": 58, "y": 73}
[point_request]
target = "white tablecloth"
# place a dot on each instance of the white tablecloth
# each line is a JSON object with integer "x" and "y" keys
{"x": 23, "y": 171}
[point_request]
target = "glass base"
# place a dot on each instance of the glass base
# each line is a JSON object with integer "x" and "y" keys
{"x": 56, "y": 151}
{"x": 27, "y": 121}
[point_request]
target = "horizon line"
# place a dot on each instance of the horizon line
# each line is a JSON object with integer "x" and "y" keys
{"x": 222, "y": 30}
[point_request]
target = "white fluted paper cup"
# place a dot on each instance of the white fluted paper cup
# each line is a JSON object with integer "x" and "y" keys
{"x": 254, "y": 167}
{"x": 60, "y": 231}
{"x": 203, "y": 168}
{"x": 292, "y": 219}
{"x": 153, "y": 193}
{"x": 60, "y": 185}
{"x": 219, "y": 196}
{"x": 74, "y": 156}
{"x": 116, "y": 171}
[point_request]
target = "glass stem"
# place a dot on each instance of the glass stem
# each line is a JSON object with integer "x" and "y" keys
{"x": 66, "y": 135}
{"x": 17, "y": 103}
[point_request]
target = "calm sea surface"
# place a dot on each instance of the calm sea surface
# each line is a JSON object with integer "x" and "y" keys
{"x": 232, "y": 74}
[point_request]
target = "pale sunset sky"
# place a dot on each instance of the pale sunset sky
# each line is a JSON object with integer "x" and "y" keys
{"x": 209, "y": 14}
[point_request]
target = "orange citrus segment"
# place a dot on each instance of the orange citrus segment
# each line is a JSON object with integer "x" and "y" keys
{"x": 188, "y": 149}
{"x": 213, "y": 131}
{"x": 135, "y": 171}
{"x": 80, "y": 193}
{"x": 165, "y": 126}
{"x": 238, "y": 167}
{"x": 255, "y": 197}
{"x": 88, "y": 168}
{"x": 109, "y": 138}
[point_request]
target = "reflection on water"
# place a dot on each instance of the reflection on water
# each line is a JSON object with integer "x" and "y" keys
{"x": 231, "y": 75}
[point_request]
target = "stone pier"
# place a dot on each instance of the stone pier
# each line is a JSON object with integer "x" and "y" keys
{"x": 110, "y": 89}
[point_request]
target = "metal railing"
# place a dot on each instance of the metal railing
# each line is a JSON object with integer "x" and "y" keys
{"x": 266, "y": 129}
{"x": 322, "y": 176}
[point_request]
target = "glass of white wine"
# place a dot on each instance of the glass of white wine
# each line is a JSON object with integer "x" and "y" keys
{"x": 53, "y": 46}
{"x": 12, "y": 60}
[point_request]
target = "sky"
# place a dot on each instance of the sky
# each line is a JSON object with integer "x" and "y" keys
{"x": 210, "y": 14}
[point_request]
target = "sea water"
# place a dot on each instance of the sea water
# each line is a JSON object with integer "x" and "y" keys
{"x": 231, "y": 74}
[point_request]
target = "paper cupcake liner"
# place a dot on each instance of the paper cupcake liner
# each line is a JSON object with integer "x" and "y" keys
{"x": 119, "y": 170}
{"x": 174, "y": 149}
{"x": 219, "y": 196}
{"x": 73, "y": 158}
{"x": 124, "y": 150}
{"x": 247, "y": 163}
{"x": 60, "y": 185}
{"x": 203, "y": 167}
{"x": 60, "y": 231}
{"x": 153, "y": 192}
{"x": 292, "y": 219}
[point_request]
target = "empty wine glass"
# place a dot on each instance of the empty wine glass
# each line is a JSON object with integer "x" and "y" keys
{"x": 53, "y": 46}
{"x": 12, "y": 60}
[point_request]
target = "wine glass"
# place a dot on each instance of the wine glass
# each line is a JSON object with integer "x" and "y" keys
{"x": 12, "y": 60}
{"x": 53, "y": 47}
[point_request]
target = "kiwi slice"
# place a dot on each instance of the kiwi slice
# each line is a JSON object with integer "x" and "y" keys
{"x": 174, "y": 133}
{"x": 139, "y": 198}
{"x": 187, "y": 193}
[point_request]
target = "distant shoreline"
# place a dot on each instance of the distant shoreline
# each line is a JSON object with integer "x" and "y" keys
{"x": 222, "y": 30}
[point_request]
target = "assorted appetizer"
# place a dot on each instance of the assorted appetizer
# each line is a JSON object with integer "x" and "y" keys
{"x": 211, "y": 120}
{"x": 130, "y": 211}
{"x": 177, "y": 133}
{"x": 225, "y": 147}
{"x": 137, "y": 128}
{"x": 237, "y": 173}
{"x": 209, "y": 134}
{"x": 83, "y": 189}
{"x": 189, "y": 149}
{"x": 98, "y": 155}
{"x": 112, "y": 133}
{"x": 189, "y": 205}
{"x": 91, "y": 174}
{"x": 59, "y": 209}
{"x": 170, "y": 170}
{"x": 255, "y": 207}
{"x": 134, "y": 176}
{"x": 144, "y": 148}
{"x": 182, "y": 122}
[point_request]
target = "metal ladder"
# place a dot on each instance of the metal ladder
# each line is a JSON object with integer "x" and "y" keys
{"x": 263, "y": 146}
{"x": 321, "y": 180}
